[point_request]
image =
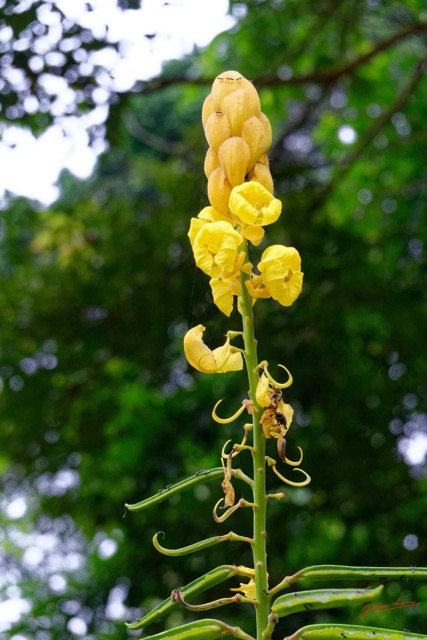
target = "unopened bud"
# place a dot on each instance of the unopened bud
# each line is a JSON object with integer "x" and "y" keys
{"x": 239, "y": 106}
{"x": 227, "y": 83}
{"x": 219, "y": 190}
{"x": 211, "y": 162}
{"x": 260, "y": 173}
{"x": 234, "y": 155}
{"x": 253, "y": 133}
{"x": 217, "y": 129}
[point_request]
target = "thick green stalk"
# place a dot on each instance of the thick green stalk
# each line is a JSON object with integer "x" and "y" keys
{"x": 259, "y": 489}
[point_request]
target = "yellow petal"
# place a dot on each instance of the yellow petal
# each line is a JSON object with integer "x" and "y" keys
{"x": 217, "y": 129}
{"x": 217, "y": 244}
{"x": 248, "y": 589}
{"x": 222, "y": 295}
{"x": 263, "y": 391}
{"x": 195, "y": 225}
{"x": 197, "y": 352}
{"x": 200, "y": 357}
{"x": 234, "y": 155}
{"x": 252, "y": 203}
{"x": 219, "y": 190}
{"x": 254, "y": 233}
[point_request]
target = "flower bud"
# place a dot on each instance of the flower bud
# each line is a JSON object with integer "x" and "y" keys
{"x": 234, "y": 155}
{"x": 211, "y": 162}
{"x": 227, "y": 83}
{"x": 267, "y": 129}
{"x": 219, "y": 190}
{"x": 260, "y": 173}
{"x": 207, "y": 109}
{"x": 217, "y": 129}
{"x": 253, "y": 133}
{"x": 239, "y": 106}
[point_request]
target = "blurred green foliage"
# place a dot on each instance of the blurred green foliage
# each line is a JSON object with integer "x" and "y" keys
{"x": 98, "y": 406}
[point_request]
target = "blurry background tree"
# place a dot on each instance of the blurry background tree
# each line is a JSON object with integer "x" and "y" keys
{"x": 97, "y": 404}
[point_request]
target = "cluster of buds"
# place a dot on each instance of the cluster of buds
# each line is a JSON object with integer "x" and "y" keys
{"x": 240, "y": 192}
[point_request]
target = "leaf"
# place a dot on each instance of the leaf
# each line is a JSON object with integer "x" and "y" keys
{"x": 164, "y": 494}
{"x": 201, "y": 584}
{"x": 321, "y": 599}
{"x": 352, "y": 632}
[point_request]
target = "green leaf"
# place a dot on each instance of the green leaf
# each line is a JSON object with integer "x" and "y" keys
{"x": 167, "y": 492}
{"x": 321, "y": 599}
{"x": 214, "y": 577}
{"x": 352, "y": 632}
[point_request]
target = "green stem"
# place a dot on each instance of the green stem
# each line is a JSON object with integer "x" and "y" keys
{"x": 259, "y": 490}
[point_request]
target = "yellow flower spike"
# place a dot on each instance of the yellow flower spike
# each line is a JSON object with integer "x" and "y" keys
{"x": 215, "y": 248}
{"x": 253, "y": 133}
{"x": 261, "y": 173}
{"x": 281, "y": 274}
{"x": 211, "y": 162}
{"x": 219, "y": 190}
{"x": 297, "y": 462}
{"x": 253, "y": 204}
{"x": 239, "y": 106}
{"x": 279, "y": 385}
{"x": 198, "y": 354}
{"x": 234, "y": 155}
{"x": 248, "y": 589}
{"x": 217, "y": 130}
{"x": 227, "y": 420}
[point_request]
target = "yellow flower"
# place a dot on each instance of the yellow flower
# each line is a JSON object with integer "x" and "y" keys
{"x": 220, "y": 360}
{"x": 281, "y": 274}
{"x": 215, "y": 248}
{"x": 248, "y": 589}
{"x": 253, "y": 204}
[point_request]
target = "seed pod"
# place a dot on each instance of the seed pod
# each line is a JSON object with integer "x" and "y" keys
{"x": 260, "y": 173}
{"x": 219, "y": 190}
{"x": 253, "y": 133}
{"x": 217, "y": 130}
{"x": 239, "y": 106}
{"x": 234, "y": 155}
{"x": 211, "y": 162}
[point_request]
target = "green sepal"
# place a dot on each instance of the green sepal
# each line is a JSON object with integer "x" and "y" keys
{"x": 201, "y": 630}
{"x": 352, "y": 632}
{"x": 342, "y": 572}
{"x": 321, "y": 599}
{"x": 201, "y": 584}
{"x": 167, "y": 492}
